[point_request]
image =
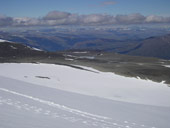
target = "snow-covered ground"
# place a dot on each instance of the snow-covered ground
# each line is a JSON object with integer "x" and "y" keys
{"x": 105, "y": 85}
{"x": 168, "y": 66}
{"x": 1, "y": 40}
{"x": 48, "y": 96}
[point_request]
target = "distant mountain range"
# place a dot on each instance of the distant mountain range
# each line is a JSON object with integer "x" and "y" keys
{"x": 156, "y": 46}
{"x": 153, "y": 47}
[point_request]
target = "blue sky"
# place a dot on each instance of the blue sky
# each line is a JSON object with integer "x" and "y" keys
{"x": 39, "y": 8}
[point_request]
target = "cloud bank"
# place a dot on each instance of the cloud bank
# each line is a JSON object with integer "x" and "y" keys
{"x": 56, "y": 18}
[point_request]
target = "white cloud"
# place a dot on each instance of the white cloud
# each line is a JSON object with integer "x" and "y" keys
{"x": 25, "y": 21}
{"x": 130, "y": 19}
{"x": 64, "y": 18}
{"x": 107, "y": 3}
{"x": 157, "y": 19}
{"x": 55, "y": 15}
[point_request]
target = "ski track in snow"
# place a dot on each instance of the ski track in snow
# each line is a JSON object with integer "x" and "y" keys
{"x": 63, "y": 112}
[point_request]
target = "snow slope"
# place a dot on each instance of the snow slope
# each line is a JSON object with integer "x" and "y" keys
{"x": 1, "y": 40}
{"x": 100, "y": 84}
{"x": 25, "y": 105}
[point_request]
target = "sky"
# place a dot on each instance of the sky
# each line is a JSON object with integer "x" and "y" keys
{"x": 83, "y": 12}
{"x": 38, "y": 8}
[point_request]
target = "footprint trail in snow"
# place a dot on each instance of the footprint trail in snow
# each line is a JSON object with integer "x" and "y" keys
{"x": 54, "y": 110}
